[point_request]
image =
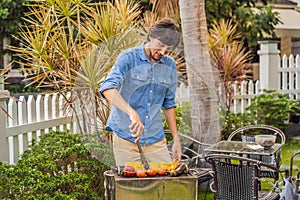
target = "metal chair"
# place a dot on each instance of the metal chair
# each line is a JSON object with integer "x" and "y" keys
{"x": 237, "y": 178}
{"x": 247, "y": 133}
{"x": 295, "y": 180}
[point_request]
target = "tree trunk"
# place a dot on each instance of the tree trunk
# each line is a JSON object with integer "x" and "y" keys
{"x": 203, "y": 78}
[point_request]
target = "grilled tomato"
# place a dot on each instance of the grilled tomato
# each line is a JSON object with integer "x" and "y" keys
{"x": 151, "y": 172}
{"x": 141, "y": 173}
{"x": 162, "y": 171}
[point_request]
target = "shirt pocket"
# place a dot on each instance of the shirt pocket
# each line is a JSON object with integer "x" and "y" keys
{"x": 139, "y": 74}
{"x": 165, "y": 80}
{"x": 165, "y": 77}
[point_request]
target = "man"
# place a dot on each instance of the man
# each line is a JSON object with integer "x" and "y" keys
{"x": 143, "y": 81}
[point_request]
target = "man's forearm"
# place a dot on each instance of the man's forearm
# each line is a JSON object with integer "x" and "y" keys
{"x": 115, "y": 98}
{"x": 171, "y": 121}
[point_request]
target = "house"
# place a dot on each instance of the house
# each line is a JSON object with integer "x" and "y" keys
{"x": 289, "y": 31}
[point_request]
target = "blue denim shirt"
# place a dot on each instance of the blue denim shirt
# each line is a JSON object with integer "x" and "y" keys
{"x": 146, "y": 87}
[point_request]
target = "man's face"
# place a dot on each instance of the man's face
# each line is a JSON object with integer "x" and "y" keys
{"x": 158, "y": 49}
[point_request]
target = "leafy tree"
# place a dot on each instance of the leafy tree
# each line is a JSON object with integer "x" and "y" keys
{"x": 252, "y": 19}
{"x": 11, "y": 12}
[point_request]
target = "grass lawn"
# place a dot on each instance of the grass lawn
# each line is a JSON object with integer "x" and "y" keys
{"x": 289, "y": 148}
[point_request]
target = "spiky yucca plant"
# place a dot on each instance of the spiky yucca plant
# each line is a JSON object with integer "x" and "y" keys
{"x": 229, "y": 56}
{"x": 162, "y": 9}
{"x": 69, "y": 46}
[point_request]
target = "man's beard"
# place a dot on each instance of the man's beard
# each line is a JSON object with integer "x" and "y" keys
{"x": 156, "y": 59}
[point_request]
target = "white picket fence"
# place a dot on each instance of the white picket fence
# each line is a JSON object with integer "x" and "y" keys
{"x": 289, "y": 76}
{"x": 29, "y": 118}
{"x": 243, "y": 93}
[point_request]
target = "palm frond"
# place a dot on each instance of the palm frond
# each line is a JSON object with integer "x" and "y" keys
{"x": 70, "y": 46}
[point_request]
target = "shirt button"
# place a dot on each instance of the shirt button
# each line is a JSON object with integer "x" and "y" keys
{"x": 153, "y": 79}
{"x": 147, "y": 117}
{"x": 150, "y": 91}
{"x": 148, "y": 104}
{"x": 137, "y": 77}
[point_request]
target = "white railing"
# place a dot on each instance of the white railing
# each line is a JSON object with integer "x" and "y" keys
{"x": 289, "y": 76}
{"x": 24, "y": 120}
{"x": 243, "y": 92}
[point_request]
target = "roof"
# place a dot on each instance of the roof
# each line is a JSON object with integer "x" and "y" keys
{"x": 291, "y": 24}
{"x": 286, "y": 2}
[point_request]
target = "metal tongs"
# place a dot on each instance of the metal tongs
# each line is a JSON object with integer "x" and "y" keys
{"x": 143, "y": 158}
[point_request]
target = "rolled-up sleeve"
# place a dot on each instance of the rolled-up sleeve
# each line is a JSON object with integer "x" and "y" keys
{"x": 169, "y": 101}
{"x": 115, "y": 75}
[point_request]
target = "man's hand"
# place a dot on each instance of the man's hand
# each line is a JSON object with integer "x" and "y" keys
{"x": 176, "y": 149}
{"x": 136, "y": 126}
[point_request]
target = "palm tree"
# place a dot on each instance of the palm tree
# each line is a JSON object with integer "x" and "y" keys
{"x": 203, "y": 78}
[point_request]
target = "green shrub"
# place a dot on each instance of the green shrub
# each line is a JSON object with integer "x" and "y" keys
{"x": 232, "y": 121}
{"x": 273, "y": 108}
{"x": 59, "y": 167}
{"x": 19, "y": 89}
{"x": 269, "y": 108}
